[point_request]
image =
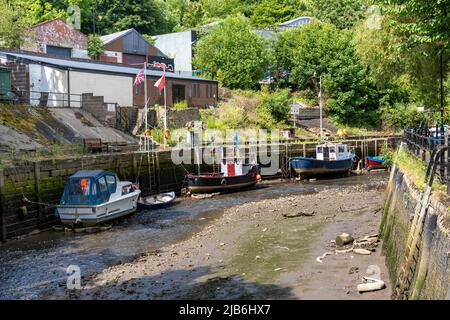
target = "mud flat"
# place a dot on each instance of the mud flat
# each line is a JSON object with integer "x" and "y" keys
{"x": 263, "y": 249}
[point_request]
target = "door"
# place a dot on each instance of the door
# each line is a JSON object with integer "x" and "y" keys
{"x": 178, "y": 93}
{"x": 5, "y": 82}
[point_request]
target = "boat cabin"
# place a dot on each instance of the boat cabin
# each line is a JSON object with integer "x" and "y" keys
{"x": 91, "y": 187}
{"x": 332, "y": 151}
{"x": 235, "y": 166}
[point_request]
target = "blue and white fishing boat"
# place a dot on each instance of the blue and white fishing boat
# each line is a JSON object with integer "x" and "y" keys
{"x": 331, "y": 158}
{"x": 95, "y": 196}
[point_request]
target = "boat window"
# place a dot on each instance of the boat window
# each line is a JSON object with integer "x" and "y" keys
{"x": 79, "y": 187}
{"x": 102, "y": 185}
{"x": 111, "y": 182}
{"x": 341, "y": 149}
{"x": 332, "y": 150}
{"x": 104, "y": 194}
{"x": 319, "y": 150}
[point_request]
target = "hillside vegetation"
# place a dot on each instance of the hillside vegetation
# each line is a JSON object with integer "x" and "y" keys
{"x": 379, "y": 59}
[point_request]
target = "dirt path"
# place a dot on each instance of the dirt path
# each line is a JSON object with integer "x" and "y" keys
{"x": 253, "y": 252}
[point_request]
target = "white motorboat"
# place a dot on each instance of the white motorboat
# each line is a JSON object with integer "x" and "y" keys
{"x": 96, "y": 196}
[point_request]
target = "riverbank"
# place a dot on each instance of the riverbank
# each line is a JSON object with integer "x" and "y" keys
{"x": 253, "y": 251}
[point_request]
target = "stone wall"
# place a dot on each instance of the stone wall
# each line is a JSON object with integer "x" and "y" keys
{"x": 432, "y": 276}
{"x": 99, "y": 109}
{"x": 177, "y": 118}
{"x": 44, "y": 182}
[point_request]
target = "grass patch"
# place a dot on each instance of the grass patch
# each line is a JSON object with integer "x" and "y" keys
{"x": 416, "y": 170}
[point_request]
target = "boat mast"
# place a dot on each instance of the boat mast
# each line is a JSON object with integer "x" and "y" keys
{"x": 145, "y": 97}
{"x": 321, "y": 107}
{"x": 165, "y": 109}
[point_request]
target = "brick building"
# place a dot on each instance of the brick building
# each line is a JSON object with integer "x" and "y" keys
{"x": 55, "y": 37}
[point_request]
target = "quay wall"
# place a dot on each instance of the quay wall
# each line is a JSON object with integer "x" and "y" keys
{"x": 431, "y": 276}
{"x": 43, "y": 181}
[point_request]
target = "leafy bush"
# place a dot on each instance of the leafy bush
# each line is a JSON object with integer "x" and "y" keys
{"x": 278, "y": 104}
{"x": 95, "y": 46}
{"x": 400, "y": 116}
{"x": 181, "y": 105}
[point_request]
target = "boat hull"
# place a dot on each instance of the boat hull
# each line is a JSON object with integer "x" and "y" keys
{"x": 159, "y": 203}
{"x": 375, "y": 162}
{"x": 217, "y": 183}
{"x": 313, "y": 167}
{"x": 85, "y": 215}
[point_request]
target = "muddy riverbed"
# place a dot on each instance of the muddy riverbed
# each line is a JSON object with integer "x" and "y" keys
{"x": 233, "y": 246}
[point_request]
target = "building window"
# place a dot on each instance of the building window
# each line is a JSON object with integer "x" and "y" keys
{"x": 142, "y": 88}
{"x": 209, "y": 91}
{"x": 136, "y": 90}
{"x": 195, "y": 90}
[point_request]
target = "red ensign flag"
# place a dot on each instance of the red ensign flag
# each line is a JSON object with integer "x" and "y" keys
{"x": 161, "y": 83}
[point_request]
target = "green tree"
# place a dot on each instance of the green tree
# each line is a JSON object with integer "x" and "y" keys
{"x": 12, "y": 25}
{"x": 147, "y": 17}
{"x": 322, "y": 49}
{"x": 193, "y": 16}
{"x": 424, "y": 29}
{"x": 233, "y": 54}
{"x": 271, "y": 12}
{"x": 37, "y": 11}
{"x": 342, "y": 13}
{"x": 95, "y": 46}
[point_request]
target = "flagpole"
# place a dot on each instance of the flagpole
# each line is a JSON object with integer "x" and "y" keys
{"x": 145, "y": 105}
{"x": 165, "y": 107}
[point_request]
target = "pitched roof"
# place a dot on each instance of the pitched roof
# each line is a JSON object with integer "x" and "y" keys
{"x": 85, "y": 64}
{"x": 54, "y": 20}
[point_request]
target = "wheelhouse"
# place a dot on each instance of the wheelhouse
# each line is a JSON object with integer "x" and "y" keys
{"x": 332, "y": 151}
{"x": 89, "y": 187}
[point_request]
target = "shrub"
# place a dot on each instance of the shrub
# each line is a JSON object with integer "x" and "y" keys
{"x": 181, "y": 105}
{"x": 278, "y": 104}
{"x": 400, "y": 116}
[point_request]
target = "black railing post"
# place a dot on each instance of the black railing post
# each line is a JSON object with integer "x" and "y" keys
{"x": 442, "y": 158}
{"x": 448, "y": 163}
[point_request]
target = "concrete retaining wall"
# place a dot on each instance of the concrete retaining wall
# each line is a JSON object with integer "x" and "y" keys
{"x": 434, "y": 260}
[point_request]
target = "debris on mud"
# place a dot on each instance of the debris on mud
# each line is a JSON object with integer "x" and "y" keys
{"x": 370, "y": 284}
{"x": 299, "y": 214}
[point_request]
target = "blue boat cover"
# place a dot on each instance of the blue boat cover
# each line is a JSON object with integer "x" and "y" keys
{"x": 89, "y": 187}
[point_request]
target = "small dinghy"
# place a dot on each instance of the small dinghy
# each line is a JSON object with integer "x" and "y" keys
{"x": 375, "y": 162}
{"x": 156, "y": 201}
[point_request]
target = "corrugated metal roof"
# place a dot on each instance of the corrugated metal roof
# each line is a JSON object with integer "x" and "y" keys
{"x": 113, "y": 36}
{"x": 95, "y": 66}
{"x": 295, "y": 22}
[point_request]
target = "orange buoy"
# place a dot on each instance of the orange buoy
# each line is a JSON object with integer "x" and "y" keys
{"x": 258, "y": 177}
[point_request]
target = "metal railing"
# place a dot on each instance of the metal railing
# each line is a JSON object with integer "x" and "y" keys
{"x": 424, "y": 143}
{"x": 44, "y": 99}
